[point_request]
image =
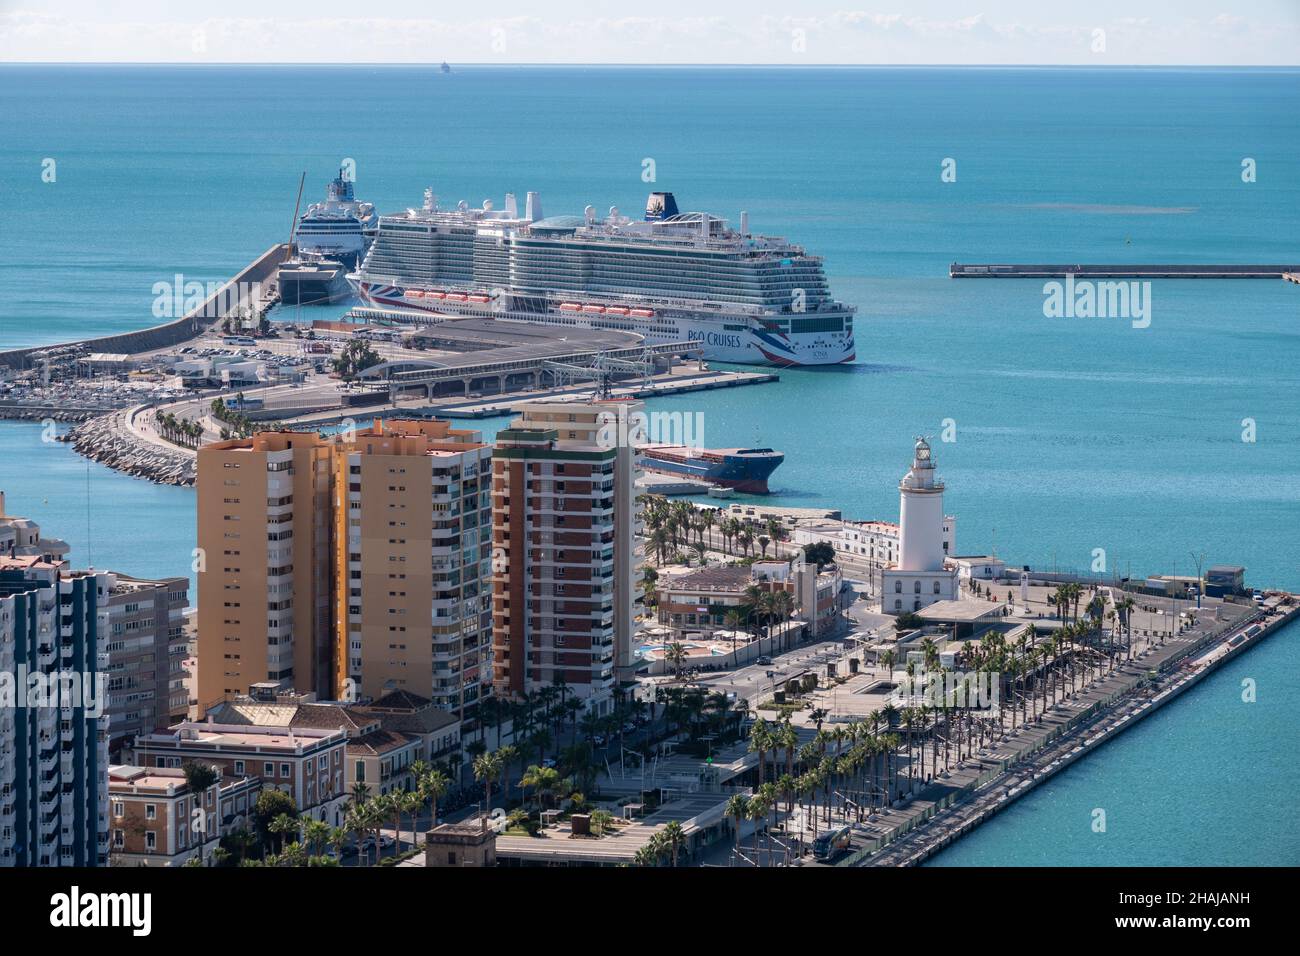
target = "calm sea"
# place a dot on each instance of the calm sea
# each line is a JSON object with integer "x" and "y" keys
{"x": 1071, "y": 435}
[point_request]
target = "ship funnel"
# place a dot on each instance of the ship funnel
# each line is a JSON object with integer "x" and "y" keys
{"x": 589, "y": 212}
{"x": 660, "y": 206}
{"x": 512, "y": 208}
{"x": 462, "y": 205}
{"x": 430, "y": 200}
{"x": 487, "y": 205}
{"x": 613, "y": 214}
{"x": 744, "y": 223}
{"x": 532, "y": 207}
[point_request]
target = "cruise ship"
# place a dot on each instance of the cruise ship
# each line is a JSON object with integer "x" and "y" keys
{"x": 339, "y": 228}
{"x": 670, "y": 276}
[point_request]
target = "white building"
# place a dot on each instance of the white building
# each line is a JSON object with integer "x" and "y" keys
{"x": 873, "y": 542}
{"x": 919, "y": 577}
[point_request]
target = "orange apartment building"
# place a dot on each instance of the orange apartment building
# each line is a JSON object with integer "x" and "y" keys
{"x": 412, "y": 562}
{"x": 264, "y": 540}
{"x": 553, "y": 515}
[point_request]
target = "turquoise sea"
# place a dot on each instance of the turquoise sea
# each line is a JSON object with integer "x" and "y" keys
{"x": 1071, "y": 434}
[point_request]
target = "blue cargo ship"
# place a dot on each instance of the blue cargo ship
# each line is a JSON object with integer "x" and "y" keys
{"x": 744, "y": 469}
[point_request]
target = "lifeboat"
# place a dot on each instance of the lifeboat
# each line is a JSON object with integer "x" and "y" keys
{"x": 616, "y": 310}
{"x": 435, "y": 295}
{"x": 594, "y": 309}
{"x": 456, "y": 296}
{"x": 414, "y": 294}
{"x": 570, "y": 307}
{"x": 478, "y": 298}
{"x": 643, "y": 313}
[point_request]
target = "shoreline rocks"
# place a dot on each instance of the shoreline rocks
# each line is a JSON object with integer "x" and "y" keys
{"x": 107, "y": 440}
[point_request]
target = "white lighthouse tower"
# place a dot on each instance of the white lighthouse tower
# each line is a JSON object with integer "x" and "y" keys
{"x": 919, "y": 578}
{"x": 920, "y": 514}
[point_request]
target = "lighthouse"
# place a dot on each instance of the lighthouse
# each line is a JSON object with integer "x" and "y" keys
{"x": 919, "y": 578}
{"x": 920, "y": 514}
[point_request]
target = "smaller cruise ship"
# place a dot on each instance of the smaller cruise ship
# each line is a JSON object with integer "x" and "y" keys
{"x": 744, "y": 469}
{"x": 310, "y": 279}
{"x": 341, "y": 227}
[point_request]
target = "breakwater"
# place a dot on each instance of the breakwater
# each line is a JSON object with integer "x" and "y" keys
{"x": 16, "y": 411}
{"x": 109, "y": 440}
{"x": 233, "y": 294}
{"x": 959, "y": 270}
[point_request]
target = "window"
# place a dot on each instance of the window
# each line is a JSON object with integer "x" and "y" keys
{"x": 898, "y": 605}
{"x": 916, "y": 587}
{"x": 239, "y": 767}
{"x": 119, "y": 810}
{"x": 936, "y": 587}
{"x": 284, "y": 770}
{"x": 150, "y": 840}
{"x": 268, "y": 770}
{"x": 898, "y": 587}
{"x": 151, "y": 811}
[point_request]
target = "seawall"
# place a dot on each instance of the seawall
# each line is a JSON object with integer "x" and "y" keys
{"x": 193, "y": 323}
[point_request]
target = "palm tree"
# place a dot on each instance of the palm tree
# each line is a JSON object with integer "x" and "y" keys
{"x": 675, "y": 836}
{"x": 487, "y": 767}
{"x": 757, "y": 813}
{"x": 760, "y": 742}
{"x": 281, "y": 826}
{"x": 410, "y": 802}
{"x": 675, "y": 655}
{"x": 433, "y": 784}
{"x": 545, "y": 781}
{"x": 738, "y": 809}
{"x": 316, "y": 833}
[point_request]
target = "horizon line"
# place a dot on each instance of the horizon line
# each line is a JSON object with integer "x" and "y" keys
{"x": 674, "y": 65}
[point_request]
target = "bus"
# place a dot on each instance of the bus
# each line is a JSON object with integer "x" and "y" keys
{"x": 832, "y": 843}
{"x": 239, "y": 340}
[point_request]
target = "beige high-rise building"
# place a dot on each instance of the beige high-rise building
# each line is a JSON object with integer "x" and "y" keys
{"x": 264, "y": 577}
{"x": 413, "y": 561}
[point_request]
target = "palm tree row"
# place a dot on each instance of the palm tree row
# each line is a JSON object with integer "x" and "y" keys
{"x": 178, "y": 431}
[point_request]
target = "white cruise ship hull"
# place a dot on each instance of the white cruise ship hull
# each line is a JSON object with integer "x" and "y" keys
{"x": 737, "y": 339}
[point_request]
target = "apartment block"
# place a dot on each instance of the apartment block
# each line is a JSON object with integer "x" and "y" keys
{"x": 616, "y": 423}
{"x": 306, "y": 763}
{"x": 264, "y": 533}
{"x": 53, "y": 736}
{"x": 413, "y": 564}
{"x": 156, "y": 820}
{"x": 145, "y": 626}
{"x": 554, "y": 520}
{"x": 384, "y": 739}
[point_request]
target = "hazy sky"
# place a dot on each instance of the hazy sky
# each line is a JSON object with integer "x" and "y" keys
{"x": 1093, "y": 32}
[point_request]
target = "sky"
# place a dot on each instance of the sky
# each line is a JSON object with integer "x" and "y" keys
{"x": 809, "y": 32}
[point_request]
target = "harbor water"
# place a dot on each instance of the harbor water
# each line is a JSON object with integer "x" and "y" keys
{"x": 1074, "y": 440}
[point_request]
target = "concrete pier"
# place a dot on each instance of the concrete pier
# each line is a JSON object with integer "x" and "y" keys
{"x": 960, "y": 270}
{"x": 907, "y": 835}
